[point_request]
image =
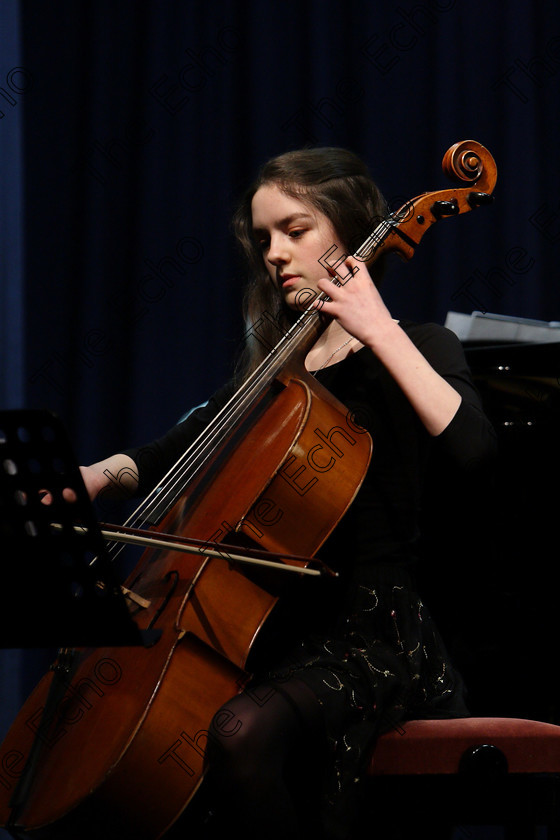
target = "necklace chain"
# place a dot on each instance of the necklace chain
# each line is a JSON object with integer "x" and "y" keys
{"x": 338, "y": 349}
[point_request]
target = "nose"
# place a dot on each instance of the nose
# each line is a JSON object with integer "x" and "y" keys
{"x": 278, "y": 253}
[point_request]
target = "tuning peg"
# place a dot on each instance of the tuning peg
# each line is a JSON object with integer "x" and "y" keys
{"x": 444, "y": 208}
{"x": 476, "y": 199}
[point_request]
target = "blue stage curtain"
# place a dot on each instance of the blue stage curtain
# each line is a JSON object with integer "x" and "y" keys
{"x": 12, "y": 382}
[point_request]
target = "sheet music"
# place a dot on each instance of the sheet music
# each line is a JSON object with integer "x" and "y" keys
{"x": 493, "y": 327}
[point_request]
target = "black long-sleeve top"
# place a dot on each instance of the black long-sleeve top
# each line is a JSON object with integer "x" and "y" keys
{"x": 382, "y": 522}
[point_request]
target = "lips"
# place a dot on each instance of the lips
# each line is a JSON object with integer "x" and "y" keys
{"x": 287, "y": 278}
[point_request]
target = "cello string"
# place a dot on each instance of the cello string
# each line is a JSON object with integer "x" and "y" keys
{"x": 193, "y": 459}
{"x": 201, "y": 449}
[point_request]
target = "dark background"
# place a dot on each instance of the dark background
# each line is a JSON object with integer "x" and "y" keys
{"x": 129, "y": 130}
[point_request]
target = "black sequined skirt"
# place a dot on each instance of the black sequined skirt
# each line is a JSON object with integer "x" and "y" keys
{"x": 383, "y": 663}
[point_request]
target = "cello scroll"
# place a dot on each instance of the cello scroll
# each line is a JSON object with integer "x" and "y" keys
{"x": 467, "y": 163}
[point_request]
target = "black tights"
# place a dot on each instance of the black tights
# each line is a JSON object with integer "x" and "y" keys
{"x": 266, "y": 751}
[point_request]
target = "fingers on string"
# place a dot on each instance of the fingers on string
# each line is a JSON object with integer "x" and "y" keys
{"x": 345, "y": 271}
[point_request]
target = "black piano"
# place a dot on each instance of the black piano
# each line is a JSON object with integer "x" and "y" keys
{"x": 496, "y": 547}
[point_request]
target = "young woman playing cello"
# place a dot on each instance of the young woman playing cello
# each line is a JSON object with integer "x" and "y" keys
{"x": 365, "y": 655}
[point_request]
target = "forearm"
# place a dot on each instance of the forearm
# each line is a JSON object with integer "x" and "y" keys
{"x": 433, "y": 398}
{"x": 360, "y": 310}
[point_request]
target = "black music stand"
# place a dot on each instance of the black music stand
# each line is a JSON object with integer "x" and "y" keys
{"x": 59, "y": 589}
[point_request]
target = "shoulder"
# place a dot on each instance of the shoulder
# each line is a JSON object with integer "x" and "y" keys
{"x": 433, "y": 340}
{"x": 430, "y": 332}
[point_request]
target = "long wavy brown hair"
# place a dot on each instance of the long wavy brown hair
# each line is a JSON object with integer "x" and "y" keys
{"x": 337, "y": 183}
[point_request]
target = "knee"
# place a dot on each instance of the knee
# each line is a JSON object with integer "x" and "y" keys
{"x": 233, "y": 735}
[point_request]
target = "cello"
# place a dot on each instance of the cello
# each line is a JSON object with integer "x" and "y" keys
{"x": 122, "y": 752}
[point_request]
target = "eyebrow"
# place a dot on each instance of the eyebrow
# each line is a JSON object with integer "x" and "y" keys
{"x": 287, "y": 220}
